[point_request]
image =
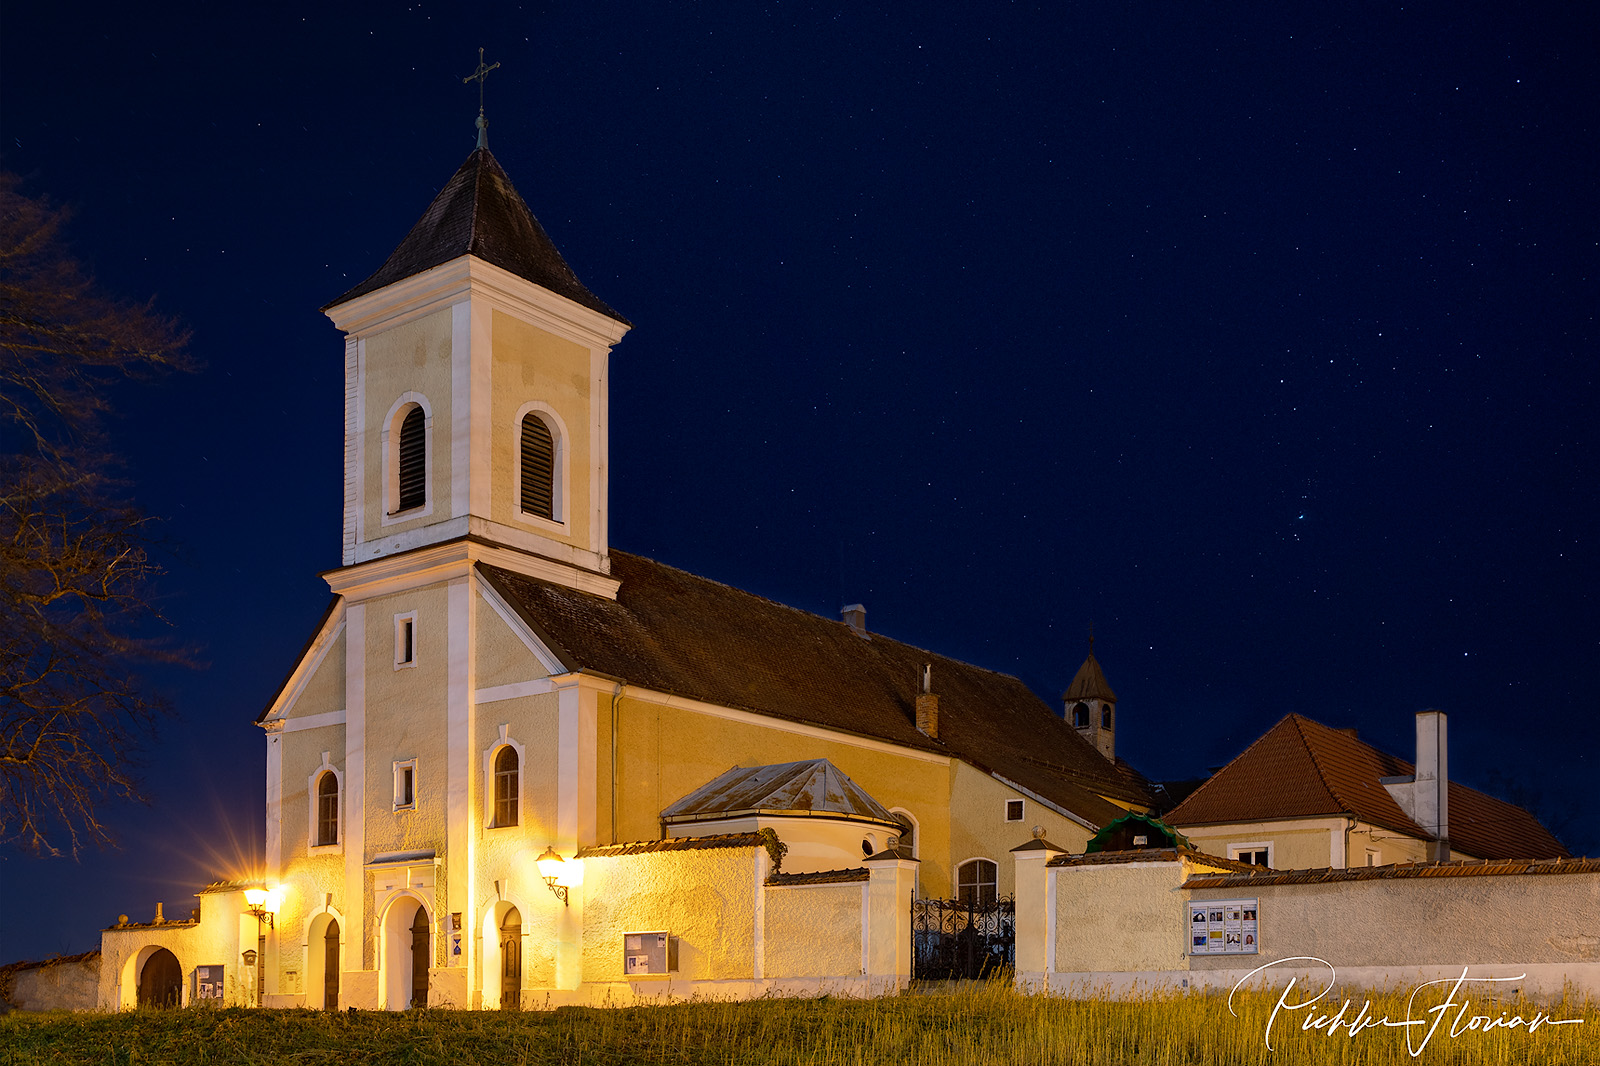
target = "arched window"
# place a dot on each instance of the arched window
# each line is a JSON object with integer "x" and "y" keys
{"x": 538, "y": 468}
{"x": 1080, "y": 716}
{"x": 412, "y": 461}
{"x": 327, "y": 809}
{"x": 977, "y": 882}
{"x": 908, "y": 834}
{"x": 505, "y": 787}
{"x": 1105, "y": 716}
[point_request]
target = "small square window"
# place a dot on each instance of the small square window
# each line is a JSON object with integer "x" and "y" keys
{"x": 1374, "y": 858}
{"x": 405, "y": 639}
{"x": 405, "y": 785}
{"x": 1013, "y": 810}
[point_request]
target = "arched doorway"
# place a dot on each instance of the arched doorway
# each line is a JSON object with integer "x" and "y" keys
{"x": 161, "y": 980}
{"x": 511, "y": 960}
{"x": 330, "y": 966}
{"x": 419, "y": 958}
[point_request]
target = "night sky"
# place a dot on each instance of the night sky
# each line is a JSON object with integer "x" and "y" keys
{"x": 1260, "y": 337}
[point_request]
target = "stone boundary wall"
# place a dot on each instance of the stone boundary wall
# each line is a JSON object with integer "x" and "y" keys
{"x": 1120, "y": 927}
{"x": 70, "y": 982}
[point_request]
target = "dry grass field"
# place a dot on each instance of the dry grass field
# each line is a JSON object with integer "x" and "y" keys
{"x": 981, "y": 1026}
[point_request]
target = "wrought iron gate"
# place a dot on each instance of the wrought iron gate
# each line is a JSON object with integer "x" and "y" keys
{"x": 951, "y": 940}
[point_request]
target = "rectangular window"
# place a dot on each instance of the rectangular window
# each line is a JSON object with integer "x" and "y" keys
{"x": 1013, "y": 810}
{"x": 1373, "y": 857}
{"x": 1254, "y": 854}
{"x": 405, "y": 639}
{"x": 405, "y": 784}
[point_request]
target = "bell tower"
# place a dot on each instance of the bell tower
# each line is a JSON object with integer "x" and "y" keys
{"x": 476, "y": 390}
{"x": 1090, "y": 706}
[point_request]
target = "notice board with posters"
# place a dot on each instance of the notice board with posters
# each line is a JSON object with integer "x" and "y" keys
{"x": 1223, "y": 927}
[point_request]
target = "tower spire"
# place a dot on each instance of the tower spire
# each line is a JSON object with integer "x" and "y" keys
{"x": 479, "y": 76}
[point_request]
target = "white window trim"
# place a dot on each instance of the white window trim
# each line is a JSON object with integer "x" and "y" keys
{"x": 558, "y": 468}
{"x": 399, "y": 645}
{"x": 312, "y": 847}
{"x": 972, "y": 859}
{"x": 1374, "y": 856}
{"x": 1022, "y": 815}
{"x": 1259, "y": 845}
{"x": 399, "y": 767}
{"x": 391, "y": 460}
{"x": 504, "y": 740}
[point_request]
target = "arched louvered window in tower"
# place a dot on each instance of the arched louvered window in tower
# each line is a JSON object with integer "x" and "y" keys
{"x": 327, "y": 809}
{"x": 413, "y": 461}
{"x": 538, "y": 468}
{"x": 505, "y": 787}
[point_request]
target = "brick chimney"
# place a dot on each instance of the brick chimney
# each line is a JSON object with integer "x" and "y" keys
{"x": 928, "y": 705}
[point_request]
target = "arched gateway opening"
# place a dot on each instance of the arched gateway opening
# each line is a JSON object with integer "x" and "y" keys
{"x": 161, "y": 980}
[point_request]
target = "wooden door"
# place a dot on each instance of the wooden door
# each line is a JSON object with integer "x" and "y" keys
{"x": 330, "y": 967}
{"x": 419, "y": 958}
{"x": 511, "y": 961}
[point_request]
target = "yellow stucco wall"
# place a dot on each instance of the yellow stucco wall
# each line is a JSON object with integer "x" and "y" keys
{"x": 813, "y": 931}
{"x": 667, "y": 752}
{"x": 411, "y": 357}
{"x": 302, "y": 757}
{"x": 979, "y": 829}
{"x": 1119, "y": 917}
{"x": 406, "y": 717}
{"x": 1295, "y": 846}
{"x": 706, "y": 898}
{"x": 531, "y": 364}
{"x": 503, "y": 658}
{"x": 324, "y": 691}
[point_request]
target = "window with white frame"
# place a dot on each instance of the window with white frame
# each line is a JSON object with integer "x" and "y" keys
{"x": 327, "y": 809}
{"x": 1256, "y": 854}
{"x": 1374, "y": 857}
{"x": 1014, "y": 810}
{"x": 405, "y": 639}
{"x": 541, "y": 461}
{"x": 507, "y": 785}
{"x": 977, "y": 882}
{"x": 405, "y": 785}
{"x": 324, "y": 789}
{"x": 405, "y": 457}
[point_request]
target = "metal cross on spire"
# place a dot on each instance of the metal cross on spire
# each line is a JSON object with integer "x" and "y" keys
{"x": 479, "y": 76}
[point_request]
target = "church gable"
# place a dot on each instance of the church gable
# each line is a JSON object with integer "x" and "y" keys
{"x": 315, "y": 685}
{"x": 507, "y": 654}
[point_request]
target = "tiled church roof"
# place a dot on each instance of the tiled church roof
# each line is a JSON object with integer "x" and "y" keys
{"x": 1303, "y": 769}
{"x": 676, "y": 633}
{"x": 478, "y": 212}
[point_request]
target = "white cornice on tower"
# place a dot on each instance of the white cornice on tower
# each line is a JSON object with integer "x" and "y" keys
{"x": 469, "y": 278}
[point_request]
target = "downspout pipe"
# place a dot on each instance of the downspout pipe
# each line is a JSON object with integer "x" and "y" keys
{"x": 616, "y": 700}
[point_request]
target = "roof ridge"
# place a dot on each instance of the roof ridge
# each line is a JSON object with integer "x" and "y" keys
{"x": 1316, "y": 764}
{"x": 826, "y": 618}
{"x": 1208, "y": 782}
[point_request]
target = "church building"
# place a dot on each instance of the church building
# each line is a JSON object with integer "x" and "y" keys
{"x": 497, "y": 701}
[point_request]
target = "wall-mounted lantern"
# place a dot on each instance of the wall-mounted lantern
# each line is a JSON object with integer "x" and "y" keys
{"x": 558, "y": 873}
{"x": 263, "y": 903}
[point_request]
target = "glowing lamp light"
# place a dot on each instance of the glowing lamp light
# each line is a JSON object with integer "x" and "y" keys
{"x": 556, "y": 873}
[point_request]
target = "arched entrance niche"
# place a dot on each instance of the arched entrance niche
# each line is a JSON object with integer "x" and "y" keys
{"x": 160, "y": 980}
{"x": 407, "y": 953}
{"x": 133, "y": 970}
{"x": 324, "y": 960}
{"x": 502, "y": 963}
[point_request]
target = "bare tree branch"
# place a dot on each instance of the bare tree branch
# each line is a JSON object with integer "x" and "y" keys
{"x": 76, "y": 562}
